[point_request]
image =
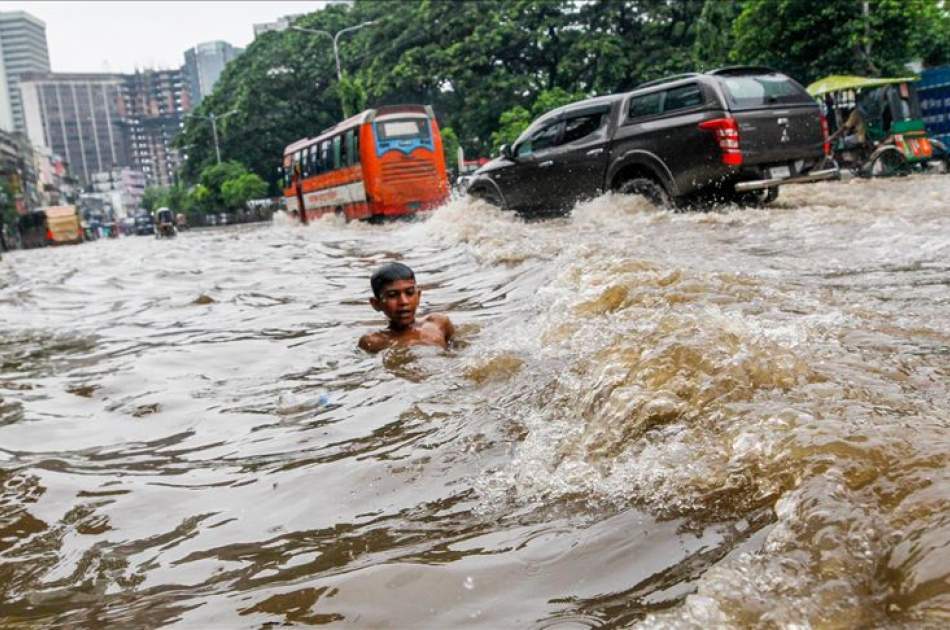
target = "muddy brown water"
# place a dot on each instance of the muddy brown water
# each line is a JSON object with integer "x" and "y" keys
{"x": 730, "y": 419}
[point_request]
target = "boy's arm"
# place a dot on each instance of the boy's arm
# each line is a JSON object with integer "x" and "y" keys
{"x": 373, "y": 342}
{"x": 445, "y": 324}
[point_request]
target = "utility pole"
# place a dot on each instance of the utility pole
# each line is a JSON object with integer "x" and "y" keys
{"x": 214, "y": 128}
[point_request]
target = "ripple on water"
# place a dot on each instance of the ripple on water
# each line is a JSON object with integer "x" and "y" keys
{"x": 726, "y": 419}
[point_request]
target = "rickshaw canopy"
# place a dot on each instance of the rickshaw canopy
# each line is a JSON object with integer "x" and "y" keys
{"x": 838, "y": 82}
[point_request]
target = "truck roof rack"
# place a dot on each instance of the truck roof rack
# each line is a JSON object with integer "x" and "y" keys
{"x": 673, "y": 77}
{"x": 730, "y": 70}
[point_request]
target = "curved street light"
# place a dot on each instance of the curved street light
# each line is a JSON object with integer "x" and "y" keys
{"x": 214, "y": 127}
{"x": 336, "y": 40}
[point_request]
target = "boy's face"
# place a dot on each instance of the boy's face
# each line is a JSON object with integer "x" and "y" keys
{"x": 398, "y": 301}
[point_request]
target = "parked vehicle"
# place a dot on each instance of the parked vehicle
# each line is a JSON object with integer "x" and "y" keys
{"x": 63, "y": 225}
{"x": 382, "y": 162}
{"x": 879, "y": 127}
{"x": 165, "y": 224}
{"x": 735, "y": 133}
{"x": 144, "y": 224}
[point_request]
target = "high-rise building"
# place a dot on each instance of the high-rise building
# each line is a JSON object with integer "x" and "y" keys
{"x": 154, "y": 103}
{"x": 23, "y": 49}
{"x": 280, "y": 24}
{"x": 79, "y": 117}
{"x": 121, "y": 188}
{"x": 204, "y": 64}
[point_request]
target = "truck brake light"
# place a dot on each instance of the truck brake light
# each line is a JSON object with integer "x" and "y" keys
{"x": 826, "y": 143}
{"x": 727, "y": 133}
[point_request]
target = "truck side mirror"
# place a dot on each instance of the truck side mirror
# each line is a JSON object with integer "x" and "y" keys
{"x": 506, "y": 152}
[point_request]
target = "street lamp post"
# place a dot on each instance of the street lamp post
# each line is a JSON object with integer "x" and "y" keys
{"x": 214, "y": 127}
{"x": 336, "y": 47}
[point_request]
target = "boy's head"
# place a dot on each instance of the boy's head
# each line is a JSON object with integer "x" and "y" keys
{"x": 395, "y": 294}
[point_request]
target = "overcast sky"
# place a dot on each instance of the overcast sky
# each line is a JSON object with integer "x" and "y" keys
{"x": 123, "y": 36}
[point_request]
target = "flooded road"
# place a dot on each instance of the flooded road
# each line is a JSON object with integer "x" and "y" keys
{"x": 737, "y": 418}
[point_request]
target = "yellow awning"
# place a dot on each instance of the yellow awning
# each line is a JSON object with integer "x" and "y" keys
{"x": 837, "y": 82}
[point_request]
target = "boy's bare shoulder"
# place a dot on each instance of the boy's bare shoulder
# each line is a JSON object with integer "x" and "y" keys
{"x": 443, "y": 322}
{"x": 374, "y": 342}
{"x": 438, "y": 318}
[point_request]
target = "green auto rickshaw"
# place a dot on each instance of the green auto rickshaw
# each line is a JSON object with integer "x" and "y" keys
{"x": 875, "y": 124}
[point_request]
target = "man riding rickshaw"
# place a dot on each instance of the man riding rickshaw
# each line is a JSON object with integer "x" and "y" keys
{"x": 878, "y": 128}
{"x": 165, "y": 223}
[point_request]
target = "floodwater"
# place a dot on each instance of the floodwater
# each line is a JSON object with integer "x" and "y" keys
{"x": 727, "y": 419}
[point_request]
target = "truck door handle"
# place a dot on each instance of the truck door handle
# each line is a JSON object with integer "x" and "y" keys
{"x": 546, "y": 163}
{"x": 595, "y": 152}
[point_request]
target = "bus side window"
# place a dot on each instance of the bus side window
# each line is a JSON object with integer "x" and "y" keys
{"x": 298, "y": 163}
{"x": 325, "y": 156}
{"x": 312, "y": 158}
{"x": 317, "y": 162}
{"x": 344, "y": 149}
{"x": 356, "y": 146}
{"x": 352, "y": 155}
{"x": 336, "y": 152}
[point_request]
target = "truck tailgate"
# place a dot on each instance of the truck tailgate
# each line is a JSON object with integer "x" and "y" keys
{"x": 779, "y": 134}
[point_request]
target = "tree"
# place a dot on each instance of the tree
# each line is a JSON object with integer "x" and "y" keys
{"x": 810, "y": 40}
{"x": 236, "y": 192}
{"x": 154, "y": 197}
{"x": 714, "y": 33}
{"x": 450, "y": 145}
{"x": 213, "y": 179}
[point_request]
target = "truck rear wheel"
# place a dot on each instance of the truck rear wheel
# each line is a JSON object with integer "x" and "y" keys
{"x": 651, "y": 190}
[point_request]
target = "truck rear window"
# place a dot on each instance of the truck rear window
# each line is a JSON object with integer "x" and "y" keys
{"x": 762, "y": 90}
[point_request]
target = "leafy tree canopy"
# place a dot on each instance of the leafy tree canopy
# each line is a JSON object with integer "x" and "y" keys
{"x": 810, "y": 40}
{"x": 238, "y": 191}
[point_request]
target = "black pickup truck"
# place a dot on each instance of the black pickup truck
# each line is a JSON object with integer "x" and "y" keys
{"x": 735, "y": 134}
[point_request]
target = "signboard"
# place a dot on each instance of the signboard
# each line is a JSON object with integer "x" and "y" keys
{"x": 934, "y": 93}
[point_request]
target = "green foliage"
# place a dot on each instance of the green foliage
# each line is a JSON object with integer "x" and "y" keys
{"x": 714, "y": 34}
{"x": 212, "y": 181}
{"x": 236, "y": 192}
{"x": 352, "y": 95}
{"x": 450, "y": 145}
{"x": 811, "y": 40}
{"x": 510, "y": 125}
{"x": 154, "y": 197}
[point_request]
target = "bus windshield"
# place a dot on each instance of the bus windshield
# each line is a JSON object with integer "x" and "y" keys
{"x": 403, "y": 129}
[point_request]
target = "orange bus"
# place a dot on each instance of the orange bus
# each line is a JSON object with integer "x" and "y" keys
{"x": 383, "y": 162}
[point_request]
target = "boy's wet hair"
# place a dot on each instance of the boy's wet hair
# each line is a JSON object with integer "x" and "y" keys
{"x": 389, "y": 273}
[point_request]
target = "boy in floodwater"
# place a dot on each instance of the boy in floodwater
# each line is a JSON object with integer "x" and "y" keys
{"x": 395, "y": 295}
